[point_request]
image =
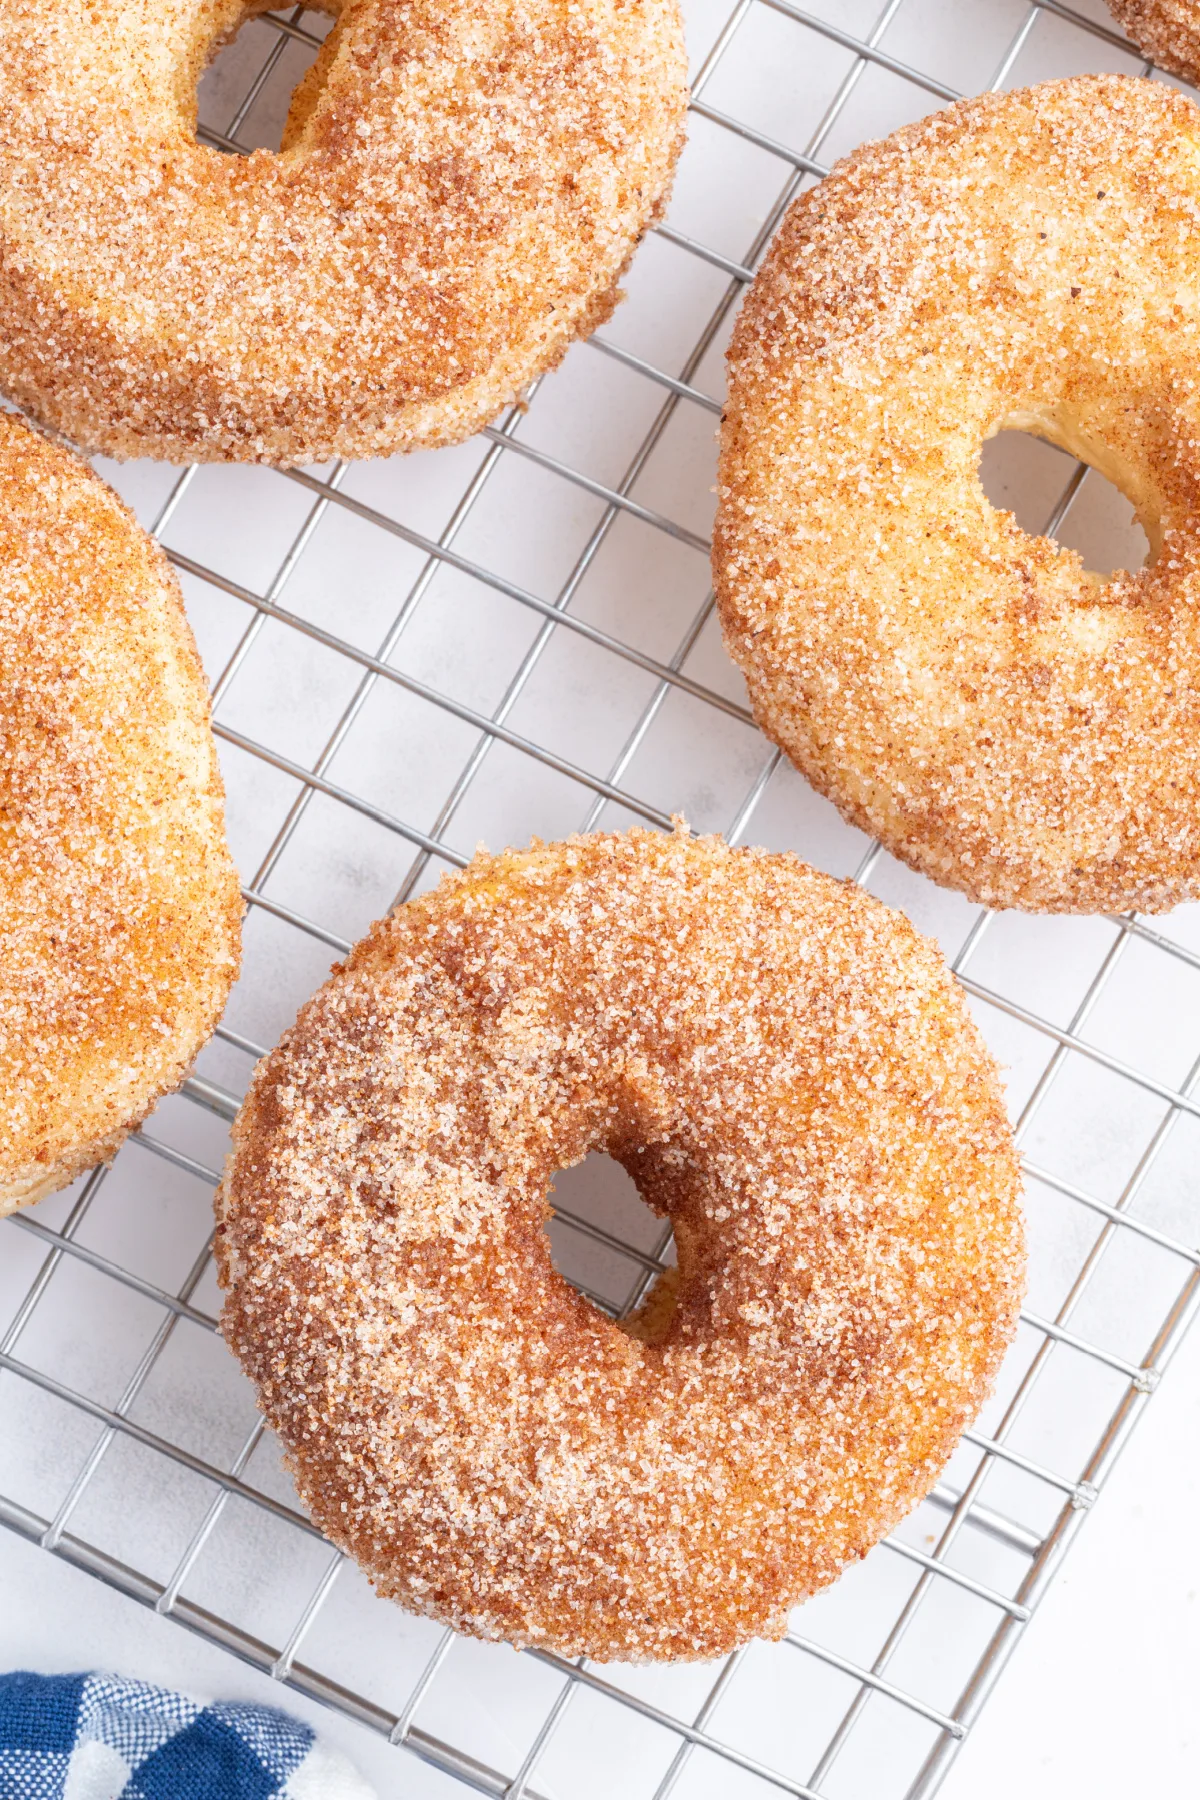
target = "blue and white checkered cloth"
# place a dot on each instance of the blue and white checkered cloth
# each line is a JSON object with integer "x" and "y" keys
{"x": 98, "y": 1737}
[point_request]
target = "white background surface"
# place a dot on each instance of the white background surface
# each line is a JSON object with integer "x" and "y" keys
{"x": 1100, "y": 1697}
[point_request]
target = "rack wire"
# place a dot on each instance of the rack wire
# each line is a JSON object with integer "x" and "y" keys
{"x": 518, "y": 636}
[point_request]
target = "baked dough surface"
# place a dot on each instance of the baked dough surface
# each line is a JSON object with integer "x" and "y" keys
{"x": 790, "y": 1075}
{"x": 1000, "y": 717}
{"x": 119, "y": 905}
{"x": 1168, "y": 31}
{"x": 459, "y": 189}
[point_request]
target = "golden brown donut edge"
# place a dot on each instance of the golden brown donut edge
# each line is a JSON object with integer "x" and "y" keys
{"x": 999, "y": 717}
{"x": 789, "y": 1072}
{"x": 119, "y": 905}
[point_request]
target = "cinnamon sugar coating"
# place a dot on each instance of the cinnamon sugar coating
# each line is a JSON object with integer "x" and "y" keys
{"x": 1167, "y": 30}
{"x": 459, "y": 189}
{"x": 119, "y": 906}
{"x": 789, "y": 1073}
{"x": 1004, "y": 720}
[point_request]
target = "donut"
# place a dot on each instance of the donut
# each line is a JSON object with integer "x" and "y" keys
{"x": 458, "y": 191}
{"x": 999, "y": 717}
{"x": 119, "y": 905}
{"x": 1168, "y": 31}
{"x": 787, "y": 1071}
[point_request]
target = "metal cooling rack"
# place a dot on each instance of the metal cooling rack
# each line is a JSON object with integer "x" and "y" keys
{"x": 518, "y": 636}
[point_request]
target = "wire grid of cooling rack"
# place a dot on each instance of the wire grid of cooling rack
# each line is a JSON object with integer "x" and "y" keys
{"x": 518, "y": 636}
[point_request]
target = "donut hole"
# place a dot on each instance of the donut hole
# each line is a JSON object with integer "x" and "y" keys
{"x": 605, "y": 1240}
{"x": 260, "y": 84}
{"x": 1025, "y": 474}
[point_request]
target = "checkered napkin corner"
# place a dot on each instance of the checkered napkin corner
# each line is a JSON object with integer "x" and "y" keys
{"x": 99, "y": 1737}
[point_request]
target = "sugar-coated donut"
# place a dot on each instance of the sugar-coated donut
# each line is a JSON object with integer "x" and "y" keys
{"x": 119, "y": 905}
{"x": 789, "y": 1074}
{"x": 1001, "y": 718}
{"x": 1168, "y": 31}
{"x": 459, "y": 188}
